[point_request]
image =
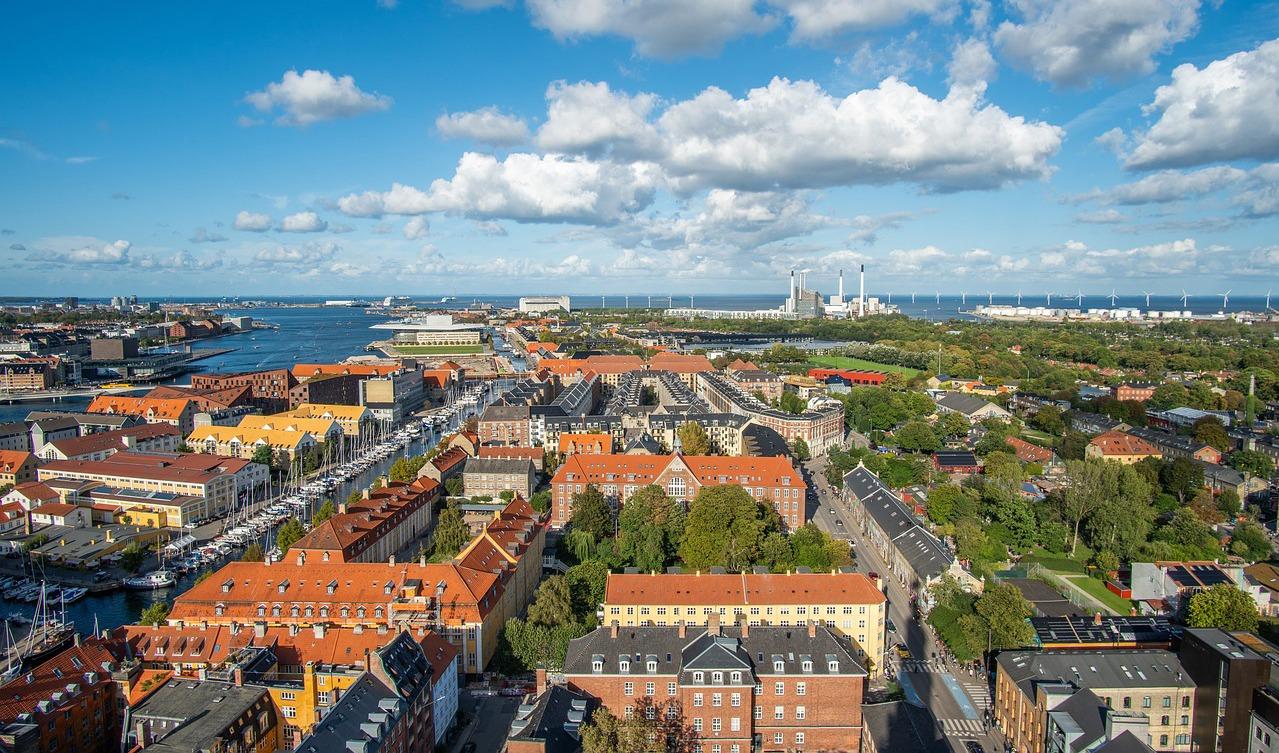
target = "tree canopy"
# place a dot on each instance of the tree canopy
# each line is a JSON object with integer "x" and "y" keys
{"x": 725, "y": 528}
{"x": 591, "y": 513}
{"x": 692, "y": 439}
{"x": 1223, "y": 606}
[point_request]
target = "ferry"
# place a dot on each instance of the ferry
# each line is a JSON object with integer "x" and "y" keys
{"x": 117, "y": 386}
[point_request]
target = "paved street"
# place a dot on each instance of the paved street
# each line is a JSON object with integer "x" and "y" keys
{"x": 957, "y": 699}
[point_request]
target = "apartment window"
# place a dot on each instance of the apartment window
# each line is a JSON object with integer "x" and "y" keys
{"x": 672, "y": 711}
{"x": 759, "y": 688}
{"x": 697, "y": 724}
{"x": 716, "y": 725}
{"x": 623, "y": 666}
{"x": 799, "y": 713}
{"x": 801, "y": 688}
{"x": 799, "y": 738}
{"x": 717, "y": 700}
{"x": 779, "y": 666}
{"x": 629, "y": 688}
{"x": 629, "y": 712}
{"x": 1164, "y": 720}
{"x": 1183, "y": 739}
{"x": 650, "y": 712}
{"x": 735, "y": 748}
{"x": 735, "y": 724}
{"x": 759, "y": 713}
{"x": 697, "y": 699}
{"x": 806, "y": 665}
{"x": 289, "y": 712}
{"x": 1185, "y": 701}
{"x": 288, "y": 695}
{"x": 597, "y": 666}
{"x": 1167, "y": 702}
{"x": 737, "y": 678}
{"x": 1163, "y": 741}
{"x": 779, "y": 688}
{"x": 670, "y": 688}
{"x": 777, "y": 738}
{"x": 698, "y": 677}
{"x": 832, "y": 666}
{"x": 649, "y": 689}
{"x": 1127, "y": 702}
{"x": 651, "y": 666}
{"x": 1145, "y": 702}
{"x": 716, "y": 748}
{"x": 1185, "y": 719}
{"x": 717, "y": 678}
{"x": 779, "y": 712}
{"x": 735, "y": 700}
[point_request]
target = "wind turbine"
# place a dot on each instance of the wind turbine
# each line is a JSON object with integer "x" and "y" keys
{"x": 938, "y": 292}
{"x": 1185, "y": 298}
{"x": 890, "y": 299}
{"x": 1225, "y": 300}
{"x": 1147, "y": 292}
{"x": 912, "y": 297}
{"x": 1112, "y": 297}
{"x": 963, "y": 298}
{"x": 1081, "y": 299}
{"x": 1267, "y": 300}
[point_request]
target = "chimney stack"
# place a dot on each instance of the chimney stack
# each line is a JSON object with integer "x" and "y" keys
{"x": 812, "y": 628}
{"x": 541, "y": 680}
{"x": 612, "y": 630}
{"x": 683, "y": 629}
{"x": 861, "y": 293}
{"x": 841, "y": 286}
{"x": 712, "y": 624}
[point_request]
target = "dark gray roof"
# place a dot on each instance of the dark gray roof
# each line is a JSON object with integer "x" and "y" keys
{"x": 1046, "y": 601}
{"x": 899, "y": 726}
{"x": 757, "y": 652}
{"x": 1163, "y": 439}
{"x": 361, "y": 716}
{"x": 554, "y": 718}
{"x": 13, "y": 427}
{"x": 1088, "y": 713}
{"x": 55, "y": 423}
{"x": 1107, "y": 668}
{"x": 500, "y": 412}
{"x": 1222, "y": 474}
{"x": 927, "y": 555}
{"x": 95, "y": 419}
{"x": 498, "y": 465}
{"x": 675, "y": 420}
{"x": 1085, "y": 630}
{"x": 962, "y": 403}
{"x": 194, "y": 712}
{"x": 1124, "y": 742}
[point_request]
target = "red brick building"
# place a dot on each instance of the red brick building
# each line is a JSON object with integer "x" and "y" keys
{"x": 1138, "y": 392}
{"x": 771, "y": 479}
{"x": 70, "y": 699}
{"x": 505, "y": 425}
{"x": 269, "y": 390}
{"x": 854, "y": 376}
{"x": 741, "y": 689}
{"x": 372, "y": 529}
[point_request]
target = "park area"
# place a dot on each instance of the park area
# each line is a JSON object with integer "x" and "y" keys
{"x": 1064, "y": 571}
{"x": 848, "y": 362}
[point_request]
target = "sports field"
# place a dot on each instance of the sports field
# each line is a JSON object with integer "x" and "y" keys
{"x": 845, "y": 362}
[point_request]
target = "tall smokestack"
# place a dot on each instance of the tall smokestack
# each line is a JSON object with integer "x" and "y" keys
{"x": 841, "y": 286}
{"x": 861, "y": 294}
{"x": 790, "y": 302}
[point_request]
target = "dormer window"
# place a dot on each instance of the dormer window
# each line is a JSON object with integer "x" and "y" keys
{"x": 699, "y": 677}
{"x": 624, "y": 665}
{"x": 651, "y": 666}
{"x": 807, "y": 665}
{"x": 597, "y": 664}
{"x": 261, "y": 610}
{"x": 779, "y": 665}
{"x": 737, "y": 678}
{"x": 833, "y": 666}
{"x": 717, "y": 678}
{"x": 284, "y": 586}
{"x": 333, "y": 586}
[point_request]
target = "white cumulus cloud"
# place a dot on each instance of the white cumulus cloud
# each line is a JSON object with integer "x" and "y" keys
{"x": 971, "y": 63}
{"x": 416, "y": 228}
{"x": 819, "y": 19}
{"x": 312, "y": 96}
{"x": 487, "y": 125}
{"x": 303, "y": 222}
{"x": 659, "y": 28}
{"x": 1072, "y": 43}
{"x": 591, "y": 118}
{"x": 1170, "y": 185}
{"x": 1227, "y": 110}
{"x": 86, "y": 251}
{"x": 255, "y": 222}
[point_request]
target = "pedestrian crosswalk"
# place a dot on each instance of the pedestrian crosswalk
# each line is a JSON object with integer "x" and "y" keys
{"x": 961, "y": 727}
{"x": 922, "y": 665}
{"x": 977, "y": 691}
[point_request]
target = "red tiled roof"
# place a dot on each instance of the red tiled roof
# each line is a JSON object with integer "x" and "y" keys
{"x": 194, "y": 468}
{"x": 709, "y": 470}
{"x": 680, "y": 363}
{"x": 54, "y": 509}
{"x": 21, "y": 694}
{"x": 35, "y": 490}
{"x": 105, "y": 440}
{"x": 169, "y": 409}
{"x": 1119, "y": 443}
{"x": 12, "y": 461}
{"x": 1027, "y": 452}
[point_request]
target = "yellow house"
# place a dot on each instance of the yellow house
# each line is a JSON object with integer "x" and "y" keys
{"x": 1122, "y": 448}
{"x": 354, "y": 419}
{"x": 323, "y": 429}
{"x": 848, "y": 603}
{"x": 243, "y": 442}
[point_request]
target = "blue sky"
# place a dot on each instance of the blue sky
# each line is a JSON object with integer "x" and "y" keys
{"x": 632, "y": 146}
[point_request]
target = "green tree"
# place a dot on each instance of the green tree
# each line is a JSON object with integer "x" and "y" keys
{"x": 405, "y": 468}
{"x": 1192, "y": 537}
{"x": 1228, "y": 503}
{"x": 451, "y": 533}
{"x": 1224, "y": 607}
{"x": 1250, "y": 541}
{"x": 1071, "y": 445}
{"x": 1003, "y": 468}
{"x": 326, "y": 511}
{"x": 917, "y": 436}
{"x": 726, "y": 528}
{"x": 132, "y": 557}
{"x": 253, "y": 553}
{"x": 289, "y": 534}
{"x": 453, "y": 486}
{"x": 693, "y": 439}
{"x": 541, "y": 500}
{"x": 792, "y": 403}
{"x": 652, "y": 728}
{"x": 1168, "y": 395}
{"x": 552, "y": 604}
{"x": 587, "y": 582}
{"x": 1254, "y": 462}
{"x": 1181, "y": 478}
{"x": 952, "y": 425}
{"x": 264, "y": 456}
{"x": 1004, "y": 610}
{"x": 649, "y": 528}
{"x": 1212, "y": 432}
{"x": 1092, "y": 484}
{"x": 799, "y": 448}
{"x": 354, "y": 497}
{"x": 592, "y": 514}
{"x": 950, "y": 501}
{"x": 1049, "y": 419}
{"x": 157, "y": 613}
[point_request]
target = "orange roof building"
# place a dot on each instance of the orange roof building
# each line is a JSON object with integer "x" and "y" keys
{"x": 1121, "y": 448}
{"x": 847, "y": 602}
{"x": 590, "y": 444}
{"x": 68, "y": 696}
{"x": 17, "y": 467}
{"x": 771, "y": 479}
{"x": 303, "y": 371}
{"x": 467, "y": 600}
{"x": 1030, "y": 453}
{"x": 179, "y": 412}
{"x": 373, "y": 529}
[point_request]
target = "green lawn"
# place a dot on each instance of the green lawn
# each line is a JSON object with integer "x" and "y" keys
{"x": 430, "y": 350}
{"x": 1098, "y": 591}
{"x": 845, "y": 362}
{"x": 1062, "y": 564}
